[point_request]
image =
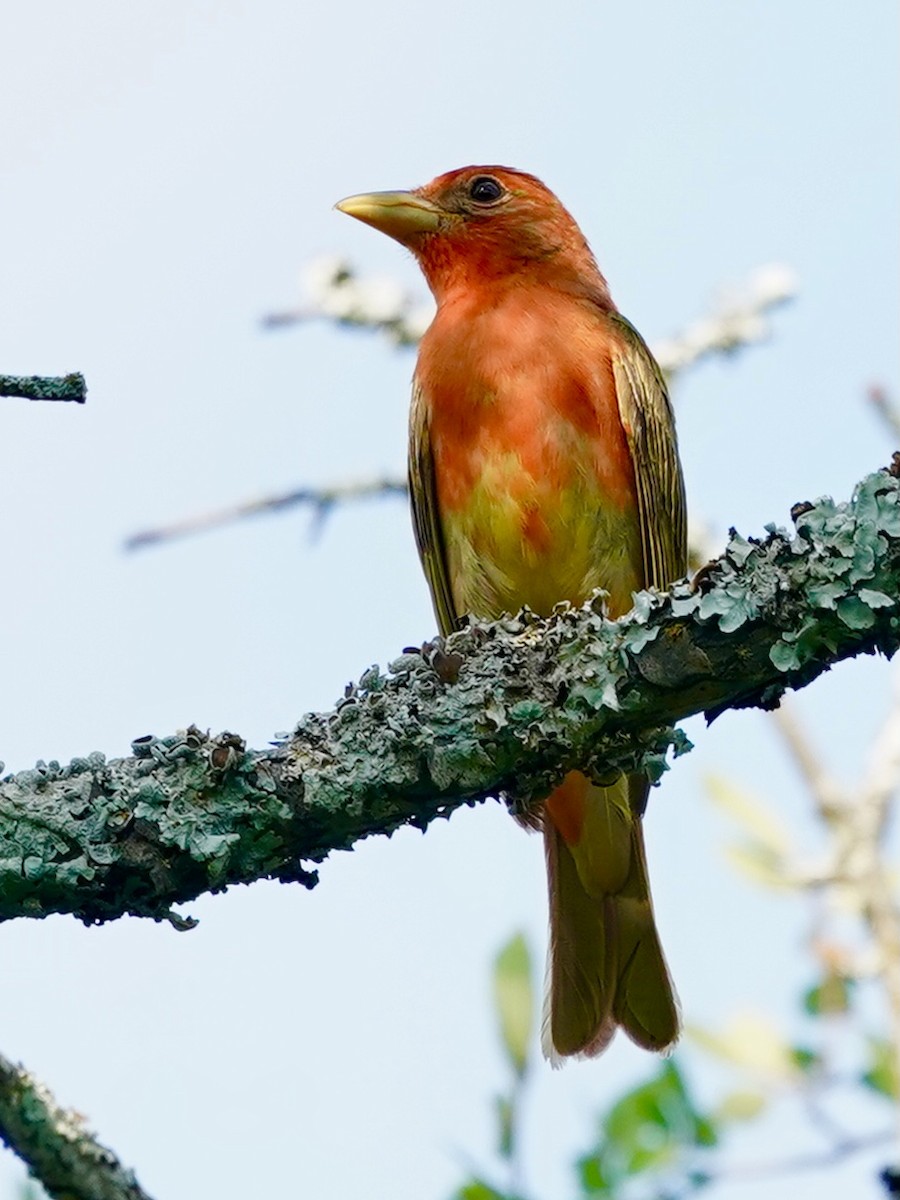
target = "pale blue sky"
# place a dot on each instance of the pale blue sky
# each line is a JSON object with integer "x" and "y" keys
{"x": 166, "y": 171}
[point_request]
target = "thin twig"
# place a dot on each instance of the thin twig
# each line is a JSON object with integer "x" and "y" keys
{"x": 320, "y": 500}
{"x": 814, "y": 1160}
{"x": 871, "y": 814}
{"x": 45, "y": 387}
{"x": 336, "y": 292}
{"x": 826, "y": 792}
{"x": 878, "y": 397}
{"x": 737, "y": 319}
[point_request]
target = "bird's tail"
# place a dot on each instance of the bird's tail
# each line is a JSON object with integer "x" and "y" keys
{"x": 606, "y": 966}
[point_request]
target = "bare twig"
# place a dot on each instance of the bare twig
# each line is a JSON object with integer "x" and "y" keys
{"x": 45, "y": 387}
{"x": 885, "y": 407}
{"x": 868, "y": 820}
{"x": 336, "y": 292}
{"x": 54, "y": 1142}
{"x": 813, "y": 1161}
{"x": 828, "y": 796}
{"x": 738, "y": 319}
{"x": 320, "y": 500}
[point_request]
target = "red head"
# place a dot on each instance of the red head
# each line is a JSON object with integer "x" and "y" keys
{"x": 490, "y": 226}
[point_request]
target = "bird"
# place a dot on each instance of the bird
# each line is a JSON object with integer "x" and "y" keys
{"x": 544, "y": 465}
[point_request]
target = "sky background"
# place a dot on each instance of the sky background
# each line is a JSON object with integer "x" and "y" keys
{"x": 166, "y": 171}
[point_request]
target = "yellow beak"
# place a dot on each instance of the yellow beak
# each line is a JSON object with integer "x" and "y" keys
{"x": 401, "y": 215}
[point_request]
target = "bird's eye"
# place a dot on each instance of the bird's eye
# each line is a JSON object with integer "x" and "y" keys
{"x": 485, "y": 190}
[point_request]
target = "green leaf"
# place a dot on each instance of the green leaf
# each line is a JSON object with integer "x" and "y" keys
{"x": 751, "y": 1041}
{"x": 761, "y": 854}
{"x": 506, "y": 1126}
{"x": 804, "y": 1058}
{"x": 757, "y": 863}
{"x": 883, "y": 1075}
{"x": 514, "y": 1000}
{"x": 754, "y": 816}
{"x": 705, "y": 1132}
{"x": 830, "y": 997}
{"x": 740, "y": 1105}
{"x": 479, "y": 1190}
{"x": 593, "y": 1177}
{"x": 647, "y": 1129}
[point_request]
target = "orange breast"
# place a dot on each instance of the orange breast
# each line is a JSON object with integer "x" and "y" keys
{"x": 535, "y": 482}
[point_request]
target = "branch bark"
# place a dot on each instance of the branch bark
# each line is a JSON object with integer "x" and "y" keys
{"x": 67, "y": 1159}
{"x": 45, "y": 387}
{"x": 506, "y": 707}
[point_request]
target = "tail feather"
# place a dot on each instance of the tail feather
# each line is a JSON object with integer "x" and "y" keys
{"x": 646, "y": 1004}
{"x": 605, "y": 965}
{"x": 578, "y": 1004}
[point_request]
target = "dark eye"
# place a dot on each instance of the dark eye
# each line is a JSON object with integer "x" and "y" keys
{"x": 484, "y": 189}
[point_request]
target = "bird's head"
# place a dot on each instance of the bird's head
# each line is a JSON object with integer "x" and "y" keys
{"x": 479, "y": 225}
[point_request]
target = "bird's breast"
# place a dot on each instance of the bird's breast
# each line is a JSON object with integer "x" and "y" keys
{"x": 534, "y": 478}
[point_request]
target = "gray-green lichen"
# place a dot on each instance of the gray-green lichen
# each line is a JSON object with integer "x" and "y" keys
{"x": 56, "y": 1145}
{"x": 501, "y": 707}
{"x": 45, "y": 387}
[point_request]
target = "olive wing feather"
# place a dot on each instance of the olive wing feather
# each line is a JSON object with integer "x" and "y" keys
{"x": 646, "y": 413}
{"x": 426, "y": 516}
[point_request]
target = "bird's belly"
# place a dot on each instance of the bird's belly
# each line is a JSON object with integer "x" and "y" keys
{"x": 526, "y": 540}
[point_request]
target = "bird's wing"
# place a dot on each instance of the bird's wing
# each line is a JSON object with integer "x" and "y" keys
{"x": 426, "y": 517}
{"x": 646, "y": 413}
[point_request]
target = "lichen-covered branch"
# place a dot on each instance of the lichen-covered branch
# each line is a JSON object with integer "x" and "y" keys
{"x": 502, "y": 707}
{"x": 56, "y": 1145}
{"x": 45, "y": 387}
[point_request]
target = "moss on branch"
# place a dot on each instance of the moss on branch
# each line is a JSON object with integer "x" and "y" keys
{"x": 56, "y": 1145}
{"x": 502, "y": 707}
{"x": 45, "y": 387}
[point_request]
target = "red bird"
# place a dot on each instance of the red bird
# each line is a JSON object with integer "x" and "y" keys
{"x": 543, "y": 464}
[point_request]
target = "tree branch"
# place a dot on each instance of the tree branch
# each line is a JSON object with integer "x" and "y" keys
{"x": 502, "y": 707}
{"x": 55, "y": 1144}
{"x": 45, "y": 387}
